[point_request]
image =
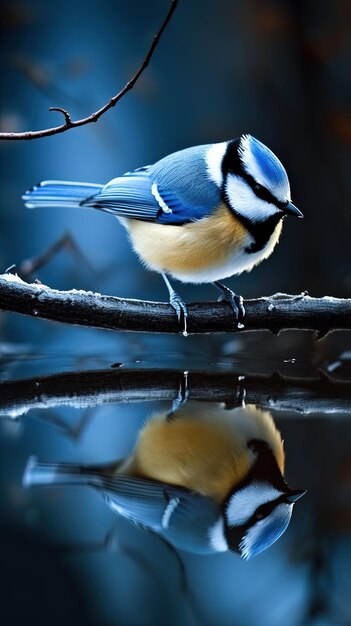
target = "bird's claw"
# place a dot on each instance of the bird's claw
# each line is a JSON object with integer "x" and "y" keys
{"x": 181, "y": 398}
{"x": 181, "y": 310}
{"x": 237, "y": 304}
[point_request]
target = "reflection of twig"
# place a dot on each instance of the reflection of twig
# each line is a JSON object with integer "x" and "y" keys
{"x": 94, "y": 117}
{"x": 84, "y": 308}
{"x": 96, "y": 387}
{"x": 73, "y": 431}
{"x": 109, "y": 543}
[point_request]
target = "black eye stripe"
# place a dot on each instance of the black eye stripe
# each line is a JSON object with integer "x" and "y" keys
{"x": 232, "y": 164}
{"x": 263, "y": 193}
{"x": 260, "y": 191}
{"x": 265, "y": 509}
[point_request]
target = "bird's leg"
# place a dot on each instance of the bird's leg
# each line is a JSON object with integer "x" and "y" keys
{"x": 179, "y": 306}
{"x": 236, "y": 302}
{"x": 181, "y": 398}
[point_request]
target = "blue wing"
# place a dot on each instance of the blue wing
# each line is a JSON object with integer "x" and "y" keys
{"x": 190, "y": 521}
{"x": 175, "y": 190}
{"x": 140, "y": 500}
{"x": 128, "y": 196}
{"x": 179, "y": 515}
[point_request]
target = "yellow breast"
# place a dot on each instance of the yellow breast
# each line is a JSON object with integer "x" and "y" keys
{"x": 189, "y": 248}
{"x": 195, "y": 455}
{"x": 204, "y": 448}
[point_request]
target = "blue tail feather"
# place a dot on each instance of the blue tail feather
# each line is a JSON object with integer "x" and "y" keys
{"x": 58, "y": 193}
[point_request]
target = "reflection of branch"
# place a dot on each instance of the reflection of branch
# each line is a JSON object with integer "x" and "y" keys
{"x": 86, "y": 308}
{"x": 96, "y": 387}
{"x": 94, "y": 117}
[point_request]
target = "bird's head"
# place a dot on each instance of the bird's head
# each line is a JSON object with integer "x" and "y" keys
{"x": 258, "y": 512}
{"x": 253, "y": 181}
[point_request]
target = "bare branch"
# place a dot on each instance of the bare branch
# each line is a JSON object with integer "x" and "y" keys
{"x": 93, "y": 388}
{"x": 85, "y": 308}
{"x": 94, "y": 117}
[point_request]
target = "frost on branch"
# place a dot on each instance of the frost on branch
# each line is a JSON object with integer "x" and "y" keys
{"x": 87, "y": 308}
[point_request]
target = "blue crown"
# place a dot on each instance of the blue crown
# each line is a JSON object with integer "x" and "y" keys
{"x": 262, "y": 164}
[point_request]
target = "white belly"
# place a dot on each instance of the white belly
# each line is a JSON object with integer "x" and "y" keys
{"x": 238, "y": 262}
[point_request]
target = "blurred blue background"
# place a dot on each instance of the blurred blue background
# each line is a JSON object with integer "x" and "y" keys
{"x": 279, "y": 70}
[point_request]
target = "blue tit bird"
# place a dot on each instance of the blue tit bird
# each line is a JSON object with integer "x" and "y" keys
{"x": 199, "y": 215}
{"x": 207, "y": 480}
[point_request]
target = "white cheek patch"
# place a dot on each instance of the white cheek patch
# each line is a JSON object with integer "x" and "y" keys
{"x": 245, "y": 202}
{"x": 244, "y": 503}
{"x": 214, "y": 157}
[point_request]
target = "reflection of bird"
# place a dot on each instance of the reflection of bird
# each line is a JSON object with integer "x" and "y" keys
{"x": 207, "y": 480}
{"x": 200, "y": 214}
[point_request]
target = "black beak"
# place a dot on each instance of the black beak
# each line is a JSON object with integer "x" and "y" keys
{"x": 291, "y": 209}
{"x": 295, "y": 495}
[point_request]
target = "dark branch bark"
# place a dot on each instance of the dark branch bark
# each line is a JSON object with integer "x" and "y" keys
{"x": 92, "y": 388}
{"x": 85, "y": 308}
{"x": 94, "y": 117}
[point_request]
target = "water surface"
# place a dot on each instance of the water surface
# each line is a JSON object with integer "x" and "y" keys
{"x": 85, "y": 563}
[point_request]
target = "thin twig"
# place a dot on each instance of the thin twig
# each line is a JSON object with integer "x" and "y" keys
{"x": 94, "y": 117}
{"x": 85, "y": 308}
{"x": 66, "y": 242}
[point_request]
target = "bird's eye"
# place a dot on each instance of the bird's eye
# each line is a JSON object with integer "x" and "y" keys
{"x": 259, "y": 515}
{"x": 263, "y": 193}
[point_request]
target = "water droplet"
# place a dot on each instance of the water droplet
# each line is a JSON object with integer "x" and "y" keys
{"x": 35, "y": 312}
